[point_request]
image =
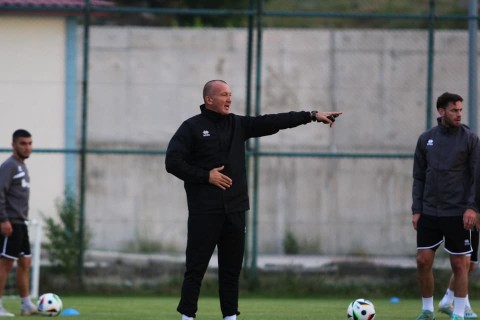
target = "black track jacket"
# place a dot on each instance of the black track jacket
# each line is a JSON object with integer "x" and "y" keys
{"x": 210, "y": 140}
{"x": 445, "y": 165}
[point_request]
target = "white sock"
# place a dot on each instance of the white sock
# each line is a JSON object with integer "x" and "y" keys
{"x": 467, "y": 302}
{"x": 447, "y": 298}
{"x": 234, "y": 317}
{"x": 427, "y": 304}
{"x": 459, "y": 306}
{"x": 25, "y": 301}
{"x": 184, "y": 317}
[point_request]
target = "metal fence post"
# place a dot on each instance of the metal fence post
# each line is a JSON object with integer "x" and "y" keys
{"x": 83, "y": 147}
{"x": 472, "y": 63}
{"x": 256, "y": 146}
{"x": 431, "y": 53}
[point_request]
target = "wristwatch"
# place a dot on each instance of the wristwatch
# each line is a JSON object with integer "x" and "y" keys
{"x": 313, "y": 115}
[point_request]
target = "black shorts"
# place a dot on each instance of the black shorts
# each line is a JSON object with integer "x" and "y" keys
{"x": 18, "y": 244}
{"x": 432, "y": 231}
{"x": 475, "y": 239}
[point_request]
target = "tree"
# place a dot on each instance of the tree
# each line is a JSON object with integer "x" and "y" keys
{"x": 183, "y": 19}
{"x": 64, "y": 238}
{"x": 374, "y": 7}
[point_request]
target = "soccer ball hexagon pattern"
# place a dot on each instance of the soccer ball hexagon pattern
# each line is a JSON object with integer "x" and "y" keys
{"x": 49, "y": 304}
{"x": 361, "y": 309}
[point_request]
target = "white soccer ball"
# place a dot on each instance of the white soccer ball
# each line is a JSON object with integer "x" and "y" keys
{"x": 49, "y": 304}
{"x": 361, "y": 309}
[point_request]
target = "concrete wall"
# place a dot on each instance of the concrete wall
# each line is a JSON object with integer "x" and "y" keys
{"x": 32, "y": 96}
{"x": 146, "y": 81}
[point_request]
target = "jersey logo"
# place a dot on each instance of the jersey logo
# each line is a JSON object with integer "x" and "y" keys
{"x": 430, "y": 142}
{"x": 25, "y": 184}
{"x": 206, "y": 133}
{"x": 20, "y": 173}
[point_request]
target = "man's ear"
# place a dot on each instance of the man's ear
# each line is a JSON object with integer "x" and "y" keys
{"x": 441, "y": 111}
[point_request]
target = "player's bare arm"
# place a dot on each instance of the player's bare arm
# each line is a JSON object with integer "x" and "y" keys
{"x": 469, "y": 219}
{"x": 415, "y": 218}
{"x": 219, "y": 179}
{"x": 6, "y": 228}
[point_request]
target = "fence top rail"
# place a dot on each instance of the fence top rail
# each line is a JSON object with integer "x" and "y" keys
{"x": 102, "y": 9}
{"x": 288, "y": 154}
{"x": 359, "y": 15}
{"x": 242, "y": 12}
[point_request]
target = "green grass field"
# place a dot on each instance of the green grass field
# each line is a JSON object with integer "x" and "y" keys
{"x": 252, "y": 308}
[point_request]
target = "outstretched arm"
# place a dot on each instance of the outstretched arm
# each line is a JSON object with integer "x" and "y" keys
{"x": 325, "y": 117}
{"x": 268, "y": 124}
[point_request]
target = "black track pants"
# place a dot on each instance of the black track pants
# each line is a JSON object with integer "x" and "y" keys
{"x": 205, "y": 232}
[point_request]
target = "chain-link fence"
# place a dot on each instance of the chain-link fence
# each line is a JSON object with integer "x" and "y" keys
{"x": 137, "y": 72}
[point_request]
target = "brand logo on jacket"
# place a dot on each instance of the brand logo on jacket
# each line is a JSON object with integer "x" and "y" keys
{"x": 430, "y": 142}
{"x": 25, "y": 184}
{"x": 19, "y": 175}
{"x": 22, "y": 174}
{"x": 206, "y": 133}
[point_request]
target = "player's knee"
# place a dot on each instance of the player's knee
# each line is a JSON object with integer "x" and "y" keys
{"x": 6, "y": 264}
{"x": 458, "y": 266}
{"x": 424, "y": 262}
{"x": 24, "y": 263}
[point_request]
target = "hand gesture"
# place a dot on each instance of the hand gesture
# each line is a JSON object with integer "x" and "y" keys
{"x": 327, "y": 117}
{"x": 219, "y": 179}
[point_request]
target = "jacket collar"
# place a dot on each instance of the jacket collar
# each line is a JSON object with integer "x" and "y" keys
{"x": 446, "y": 129}
{"x": 212, "y": 115}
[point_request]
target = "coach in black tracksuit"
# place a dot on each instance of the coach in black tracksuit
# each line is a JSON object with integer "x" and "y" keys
{"x": 208, "y": 153}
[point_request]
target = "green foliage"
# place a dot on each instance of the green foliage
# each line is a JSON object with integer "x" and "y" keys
{"x": 340, "y": 9}
{"x": 335, "y": 13}
{"x": 65, "y": 245}
{"x": 179, "y": 19}
{"x": 290, "y": 244}
{"x": 144, "y": 246}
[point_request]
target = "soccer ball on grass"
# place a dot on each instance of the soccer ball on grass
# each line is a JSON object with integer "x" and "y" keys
{"x": 49, "y": 304}
{"x": 361, "y": 309}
